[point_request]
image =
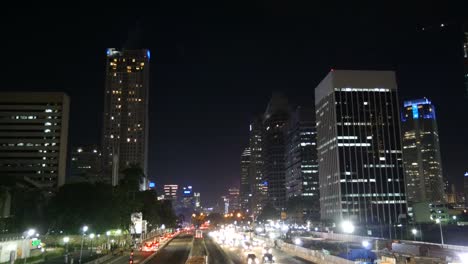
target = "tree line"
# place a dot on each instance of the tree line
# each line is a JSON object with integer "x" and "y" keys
{"x": 99, "y": 205}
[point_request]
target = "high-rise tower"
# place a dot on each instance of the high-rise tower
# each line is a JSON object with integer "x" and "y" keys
{"x": 125, "y": 132}
{"x": 256, "y": 176}
{"x": 245, "y": 186}
{"x": 302, "y": 183}
{"x": 359, "y": 147}
{"x": 34, "y": 139}
{"x": 274, "y": 148}
{"x": 421, "y": 152}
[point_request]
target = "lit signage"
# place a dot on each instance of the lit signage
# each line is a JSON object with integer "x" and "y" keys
{"x": 152, "y": 184}
{"x": 187, "y": 192}
{"x": 466, "y": 174}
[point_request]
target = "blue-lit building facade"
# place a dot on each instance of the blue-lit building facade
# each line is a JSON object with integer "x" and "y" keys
{"x": 421, "y": 152}
{"x": 359, "y": 148}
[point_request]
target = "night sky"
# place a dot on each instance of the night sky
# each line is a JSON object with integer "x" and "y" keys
{"x": 214, "y": 66}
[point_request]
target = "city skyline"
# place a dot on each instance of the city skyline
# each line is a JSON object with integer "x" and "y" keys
{"x": 209, "y": 87}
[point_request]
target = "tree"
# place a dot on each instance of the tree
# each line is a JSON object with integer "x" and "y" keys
{"x": 83, "y": 203}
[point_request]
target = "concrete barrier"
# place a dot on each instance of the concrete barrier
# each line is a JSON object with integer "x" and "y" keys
{"x": 100, "y": 260}
{"x": 314, "y": 256}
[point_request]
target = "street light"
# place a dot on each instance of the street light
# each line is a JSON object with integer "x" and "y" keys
{"x": 348, "y": 228}
{"x": 29, "y": 234}
{"x": 365, "y": 244}
{"x": 441, "y": 233}
{"x": 65, "y": 241}
{"x": 84, "y": 229}
{"x": 91, "y": 237}
{"x": 414, "y": 232}
{"x": 108, "y": 233}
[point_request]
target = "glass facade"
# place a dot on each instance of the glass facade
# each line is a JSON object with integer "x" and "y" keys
{"x": 256, "y": 177}
{"x": 302, "y": 183}
{"x": 359, "y": 147}
{"x": 274, "y": 150}
{"x": 245, "y": 187}
{"x": 421, "y": 152}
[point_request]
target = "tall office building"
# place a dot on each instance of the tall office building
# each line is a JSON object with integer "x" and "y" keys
{"x": 256, "y": 177}
{"x": 234, "y": 198}
{"x": 465, "y": 60}
{"x": 465, "y": 187}
{"x": 359, "y": 147}
{"x": 421, "y": 152}
{"x": 274, "y": 148}
{"x": 245, "y": 186}
{"x": 86, "y": 165}
{"x": 34, "y": 138}
{"x": 302, "y": 182}
{"x": 170, "y": 191}
{"x": 125, "y": 132}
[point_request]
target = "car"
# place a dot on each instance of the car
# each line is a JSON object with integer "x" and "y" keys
{"x": 252, "y": 259}
{"x": 268, "y": 258}
{"x": 150, "y": 246}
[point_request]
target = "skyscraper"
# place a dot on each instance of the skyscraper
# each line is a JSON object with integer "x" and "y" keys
{"x": 86, "y": 165}
{"x": 421, "y": 152}
{"x": 274, "y": 148}
{"x": 465, "y": 187}
{"x": 233, "y": 198}
{"x": 125, "y": 132}
{"x": 245, "y": 186}
{"x": 302, "y": 182}
{"x": 170, "y": 191}
{"x": 34, "y": 138}
{"x": 465, "y": 60}
{"x": 256, "y": 176}
{"x": 359, "y": 147}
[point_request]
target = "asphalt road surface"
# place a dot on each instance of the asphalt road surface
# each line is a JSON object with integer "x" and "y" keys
{"x": 176, "y": 252}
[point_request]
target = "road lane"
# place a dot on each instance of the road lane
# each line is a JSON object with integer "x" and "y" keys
{"x": 217, "y": 254}
{"x": 239, "y": 256}
{"x": 176, "y": 252}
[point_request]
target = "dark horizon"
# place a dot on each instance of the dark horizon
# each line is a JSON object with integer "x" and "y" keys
{"x": 214, "y": 67}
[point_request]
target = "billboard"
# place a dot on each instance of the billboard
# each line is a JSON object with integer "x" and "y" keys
{"x": 137, "y": 223}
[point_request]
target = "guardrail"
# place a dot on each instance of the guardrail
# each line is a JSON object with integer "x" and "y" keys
{"x": 359, "y": 239}
{"x": 314, "y": 256}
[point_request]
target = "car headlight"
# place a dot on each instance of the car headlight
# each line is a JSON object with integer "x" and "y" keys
{"x": 257, "y": 261}
{"x": 270, "y": 250}
{"x": 249, "y": 261}
{"x": 273, "y": 258}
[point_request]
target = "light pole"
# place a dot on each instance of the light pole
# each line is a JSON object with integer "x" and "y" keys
{"x": 348, "y": 228}
{"x": 29, "y": 234}
{"x": 118, "y": 232}
{"x": 65, "y": 241}
{"x": 84, "y": 229}
{"x": 91, "y": 237}
{"x": 441, "y": 233}
{"x": 414, "y": 232}
{"x": 108, "y": 233}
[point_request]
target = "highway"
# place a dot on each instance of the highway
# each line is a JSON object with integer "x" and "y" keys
{"x": 176, "y": 252}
